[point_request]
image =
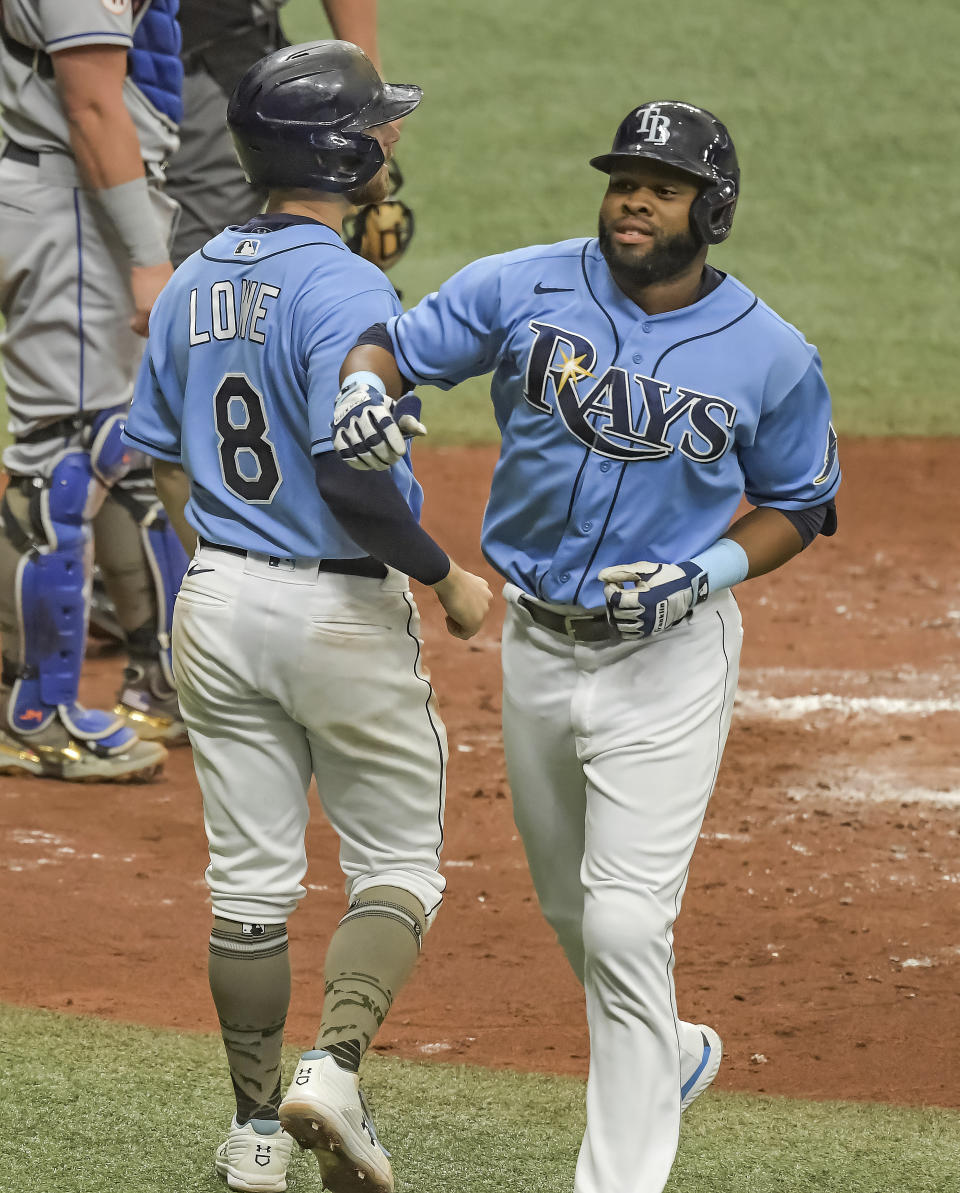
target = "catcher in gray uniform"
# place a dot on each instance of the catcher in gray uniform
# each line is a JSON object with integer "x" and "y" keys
{"x": 90, "y": 98}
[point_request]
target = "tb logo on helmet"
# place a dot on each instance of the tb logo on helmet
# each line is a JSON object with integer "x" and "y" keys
{"x": 654, "y": 127}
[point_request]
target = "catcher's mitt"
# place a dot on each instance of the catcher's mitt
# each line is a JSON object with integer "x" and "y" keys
{"x": 380, "y": 232}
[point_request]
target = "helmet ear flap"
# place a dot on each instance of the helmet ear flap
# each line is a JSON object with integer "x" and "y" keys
{"x": 347, "y": 160}
{"x": 711, "y": 213}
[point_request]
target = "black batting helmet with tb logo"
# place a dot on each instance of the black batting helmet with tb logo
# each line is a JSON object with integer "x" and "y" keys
{"x": 693, "y": 140}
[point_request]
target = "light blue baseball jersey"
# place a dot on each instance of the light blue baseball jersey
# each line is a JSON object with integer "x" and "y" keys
{"x": 625, "y": 436}
{"x": 240, "y": 377}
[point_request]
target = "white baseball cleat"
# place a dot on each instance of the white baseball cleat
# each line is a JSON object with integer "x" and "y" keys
{"x": 254, "y": 1157}
{"x": 325, "y": 1112}
{"x": 696, "y": 1079}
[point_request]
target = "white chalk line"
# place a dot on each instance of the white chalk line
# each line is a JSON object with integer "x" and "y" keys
{"x": 880, "y": 791}
{"x": 752, "y": 703}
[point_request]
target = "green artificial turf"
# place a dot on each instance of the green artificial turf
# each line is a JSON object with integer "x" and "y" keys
{"x": 94, "y": 1107}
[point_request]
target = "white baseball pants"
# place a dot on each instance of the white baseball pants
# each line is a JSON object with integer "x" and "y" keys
{"x": 612, "y": 752}
{"x": 285, "y": 673}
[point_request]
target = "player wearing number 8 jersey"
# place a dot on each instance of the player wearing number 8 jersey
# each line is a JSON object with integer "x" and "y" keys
{"x": 296, "y": 648}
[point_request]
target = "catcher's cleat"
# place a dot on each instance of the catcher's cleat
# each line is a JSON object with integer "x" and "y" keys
{"x": 325, "y": 1112}
{"x": 254, "y": 1158}
{"x": 148, "y": 707}
{"x": 705, "y": 1067}
{"x": 126, "y": 759}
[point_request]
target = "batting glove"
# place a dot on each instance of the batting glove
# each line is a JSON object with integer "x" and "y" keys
{"x": 370, "y": 430}
{"x": 646, "y": 599}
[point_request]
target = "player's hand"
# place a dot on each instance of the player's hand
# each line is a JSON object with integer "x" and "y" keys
{"x": 146, "y": 282}
{"x": 645, "y": 599}
{"x": 370, "y": 430}
{"x": 466, "y": 600}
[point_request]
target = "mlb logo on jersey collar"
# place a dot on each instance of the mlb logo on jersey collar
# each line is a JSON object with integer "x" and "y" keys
{"x": 247, "y": 248}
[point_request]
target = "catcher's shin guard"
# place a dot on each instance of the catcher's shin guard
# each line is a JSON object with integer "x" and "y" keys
{"x": 166, "y": 562}
{"x": 51, "y": 596}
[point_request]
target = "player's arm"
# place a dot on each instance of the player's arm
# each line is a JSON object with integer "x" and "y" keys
{"x": 379, "y": 360}
{"x": 173, "y": 489}
{"x": 374, "y": 514}
{"x": 791, "y": 474}
{"x": 769, "y": 538}
{"x": 356, "y": 21}
{"x": 107, "y": 151}
{"x": 455, "y": 333}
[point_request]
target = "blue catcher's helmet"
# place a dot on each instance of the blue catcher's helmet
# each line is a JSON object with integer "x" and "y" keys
{"x": 299, "y": 116}
{"x": 693, "y": 140}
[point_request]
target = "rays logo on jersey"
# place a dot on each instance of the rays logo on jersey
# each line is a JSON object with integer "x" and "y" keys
{"x": 247, "y": 248}
{"x": 622, "y": 416}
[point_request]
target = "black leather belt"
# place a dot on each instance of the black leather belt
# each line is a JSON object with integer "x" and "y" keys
{"x": 16, "y": 153}
{"x": 581, "y": 627}
{"x": 38, "y": 60}
{"x": 12, "y": 152}
{"x": 366, "y": 565}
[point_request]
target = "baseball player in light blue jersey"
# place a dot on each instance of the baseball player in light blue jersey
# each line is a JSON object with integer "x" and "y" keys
{"x": 640, "y": 394}
{"x": 296, "y": 638}
{"x": 89, "y": 105}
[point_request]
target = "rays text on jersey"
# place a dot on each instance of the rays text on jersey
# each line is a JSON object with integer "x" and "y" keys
{"x": 624, "y": 416}
{"x": 231, "y": 318}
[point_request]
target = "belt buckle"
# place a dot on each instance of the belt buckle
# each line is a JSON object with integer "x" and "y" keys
{"x": 570, "y": 618}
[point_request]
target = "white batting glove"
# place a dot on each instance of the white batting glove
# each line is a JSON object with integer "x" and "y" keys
{"x": 645, "y": 599}
{"x": 370, "y": 430}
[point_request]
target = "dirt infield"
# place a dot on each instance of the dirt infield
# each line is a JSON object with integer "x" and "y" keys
{"x": 821, "y": 927}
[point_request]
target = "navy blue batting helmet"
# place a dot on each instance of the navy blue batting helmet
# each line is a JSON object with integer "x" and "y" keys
{"x": 693, "y": 140}
{"x": 299, "y": 116}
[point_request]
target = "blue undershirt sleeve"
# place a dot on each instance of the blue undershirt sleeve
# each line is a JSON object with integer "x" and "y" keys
{"x": 372, "y": 511}
{"x": 818, "y": 519}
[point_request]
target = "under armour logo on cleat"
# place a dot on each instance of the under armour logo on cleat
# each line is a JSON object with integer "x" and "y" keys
{"x": 263, "y": 1155}
{"x": 539, "y": 288}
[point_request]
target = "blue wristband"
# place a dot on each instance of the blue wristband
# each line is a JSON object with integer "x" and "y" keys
{"x": 725, "y": 563}
{"x": 363, "y": 377}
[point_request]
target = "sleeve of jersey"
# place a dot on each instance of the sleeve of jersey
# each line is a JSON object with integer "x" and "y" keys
{"x": 84, "y": 23}
{"x": 154, "y": 419}
{"x": 792, "y": 462}
{"x": 327, "y": 338}
{"x": 456, "y": 332}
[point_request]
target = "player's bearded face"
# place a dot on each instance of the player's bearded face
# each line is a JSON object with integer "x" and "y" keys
{"x": 644, "y": 230}
{"x": 664, "y": 257}
{"x": 374, "y": 191}
{"x": 378, "y": 188}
